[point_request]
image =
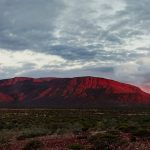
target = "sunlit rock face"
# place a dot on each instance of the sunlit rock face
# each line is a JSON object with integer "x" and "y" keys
{"x": 69, "y": 92}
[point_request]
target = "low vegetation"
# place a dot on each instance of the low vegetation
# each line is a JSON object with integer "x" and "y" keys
{"x": 75, "y": 129}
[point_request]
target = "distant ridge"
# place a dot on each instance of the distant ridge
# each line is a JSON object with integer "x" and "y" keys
{"x": 69, "y": 93}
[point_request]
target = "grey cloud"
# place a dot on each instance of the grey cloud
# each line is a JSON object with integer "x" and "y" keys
{"x": 134, "y": 20}
{"x": 72, "y": 53}
{"x": 25, "y": 24}
{"x": 32, "y": 25}
{"x": 104, "y": 70}
{"x": 84, "y": 31}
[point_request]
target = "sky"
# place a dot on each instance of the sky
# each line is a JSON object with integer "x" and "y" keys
{"x": 67, "y": 38}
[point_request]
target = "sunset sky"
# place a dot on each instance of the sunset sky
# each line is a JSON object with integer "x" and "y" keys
{"x": 67, "y": 38}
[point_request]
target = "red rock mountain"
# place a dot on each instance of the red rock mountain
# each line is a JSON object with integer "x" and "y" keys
{"x": 69, "y": 92}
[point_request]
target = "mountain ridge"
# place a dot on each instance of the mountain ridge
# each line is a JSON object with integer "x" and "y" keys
{"x": 68, "y": 92}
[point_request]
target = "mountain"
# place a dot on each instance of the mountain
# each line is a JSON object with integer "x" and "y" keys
{"x": 69, "y": 93}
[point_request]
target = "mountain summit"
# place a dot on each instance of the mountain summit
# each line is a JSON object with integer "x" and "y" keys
{"x": 69, "y": 93}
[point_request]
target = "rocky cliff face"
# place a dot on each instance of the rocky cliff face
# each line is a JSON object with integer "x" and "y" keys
{"x": 69, "y": 92}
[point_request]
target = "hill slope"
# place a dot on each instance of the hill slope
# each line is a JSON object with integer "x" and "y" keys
{"x": 69, "y": 92}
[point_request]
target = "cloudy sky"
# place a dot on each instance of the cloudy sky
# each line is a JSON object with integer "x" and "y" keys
{"x": 65, "y": 38}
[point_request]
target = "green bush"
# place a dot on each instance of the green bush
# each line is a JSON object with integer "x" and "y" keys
{"x": 34, "y": 145}
{"x": 128, "y": 128}
{"x": 31, "y": 133}
{"x": 142, "y": 133}
{"x": 77, "y": 128}
{"x": 75, "y": 147}
{"x": 4, "y": 141}
{"x": 132, "y": 138}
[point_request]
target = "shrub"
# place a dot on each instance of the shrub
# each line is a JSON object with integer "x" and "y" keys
{"x": 34, "y": 145}
{"x": 133, "y": 138}
{"x": 142, "y": 133}
{"x": 85, "y": 129}
{"x": 75, "y": 147}
{"x": 128, "y": 128}
{"x": 77, "y": 128}
{"x": 31, "y": 133}
{"x": 4, "y": 141}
